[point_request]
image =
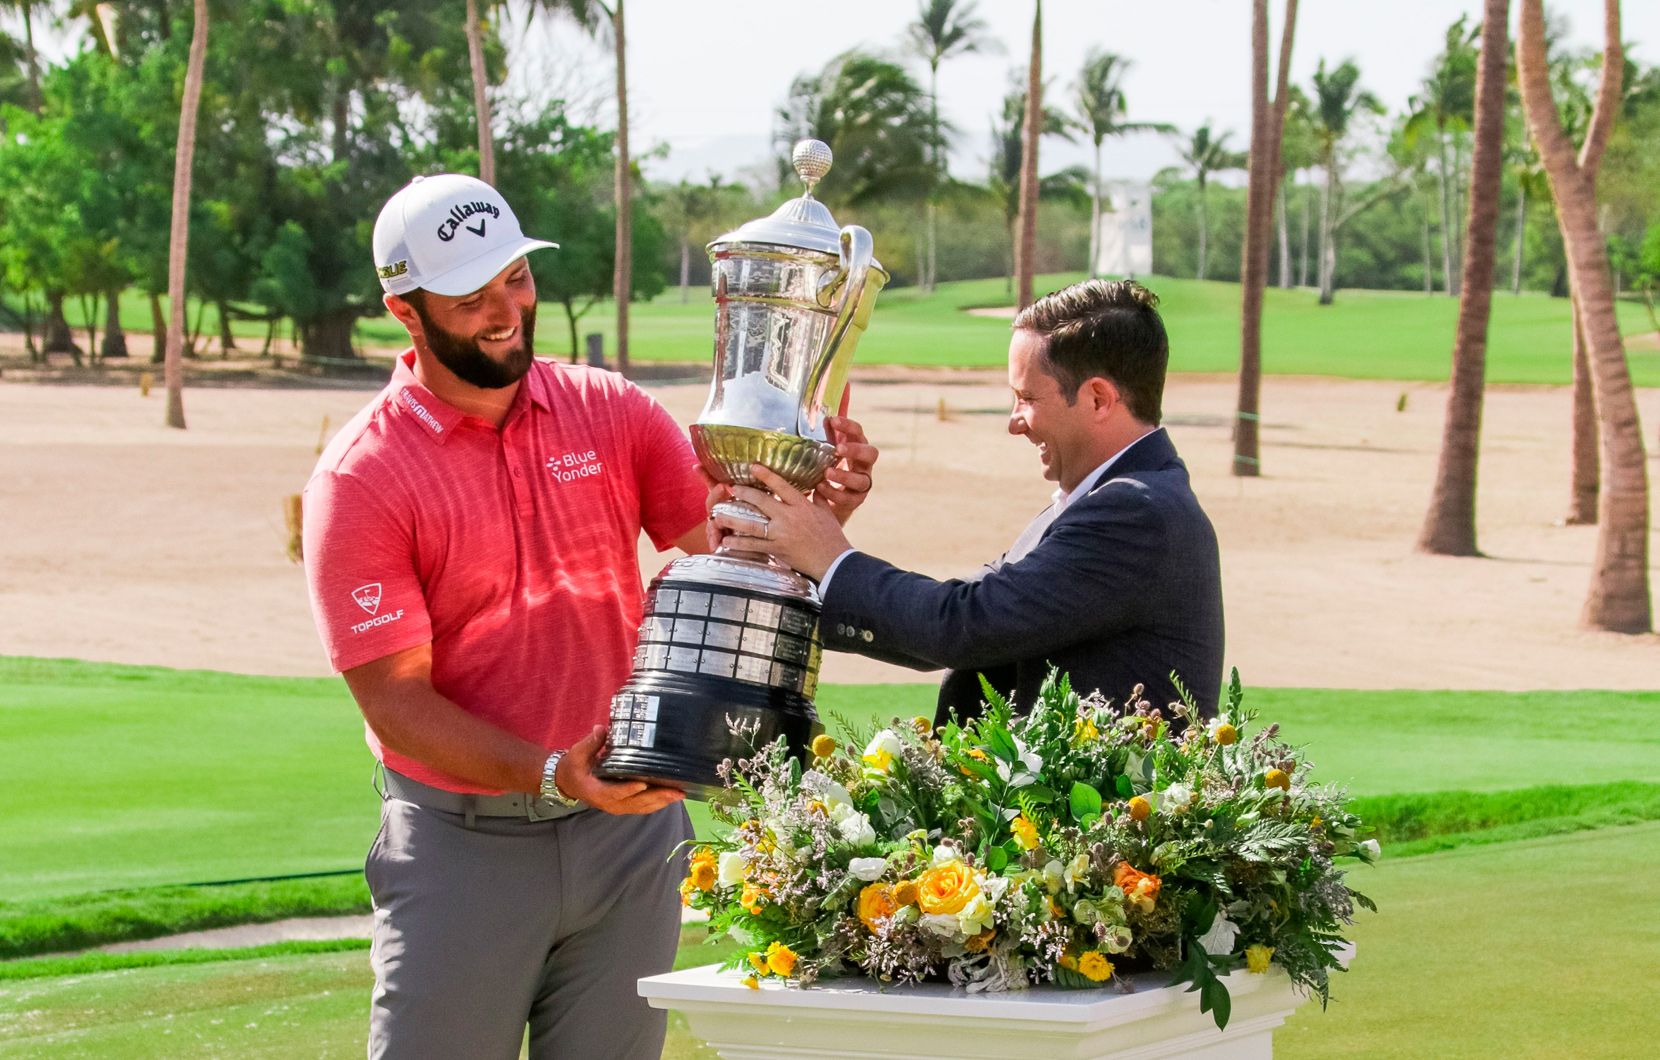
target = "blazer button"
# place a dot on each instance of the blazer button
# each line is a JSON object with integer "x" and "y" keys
{"x": 868, "y": 636}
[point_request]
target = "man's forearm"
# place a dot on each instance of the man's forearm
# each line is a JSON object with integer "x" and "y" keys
{"x": 410, "y": 717}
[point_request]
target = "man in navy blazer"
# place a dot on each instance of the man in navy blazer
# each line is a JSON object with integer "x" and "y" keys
{"x": 1117, "y": 583}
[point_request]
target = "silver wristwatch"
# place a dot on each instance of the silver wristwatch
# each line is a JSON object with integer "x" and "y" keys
{"x": 550, "y": 786}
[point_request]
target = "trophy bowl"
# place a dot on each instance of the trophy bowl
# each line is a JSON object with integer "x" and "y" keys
{"x": 729, "y": 650}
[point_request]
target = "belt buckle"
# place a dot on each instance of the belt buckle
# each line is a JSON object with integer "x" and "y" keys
{"x": 538, "y": 808}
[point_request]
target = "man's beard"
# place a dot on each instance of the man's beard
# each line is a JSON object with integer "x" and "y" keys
{"x": 471, "y": 364}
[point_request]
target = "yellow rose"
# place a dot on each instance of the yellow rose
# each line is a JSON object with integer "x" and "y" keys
{"x": 876, "y": 902}
{"x": 1025, "y": 832}
{"x": 780, "y": 958}
{"x": 1257, "y": 958}
{"x": 1277, "y": 778}
{"x": 1140, "y": 809}
{"x": 1095, "y": 967}
{"x": 946, "y": 889}
{"x": 904, "y": 893}
{"x": 823, "y": 745}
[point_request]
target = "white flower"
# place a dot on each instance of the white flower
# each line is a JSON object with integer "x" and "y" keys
{"x": 824, "y": 789}
{"x": 976, "y": 916}
{"x": 1085, "y": 913}
{"x": 1179, "y": 797}
{"x": 731, "y": 869}
{"x": 1054, "y": 874}
{"x": 1075, "y": 871}
{"x": 883, "y": 748}
{"x": 1218, "y": 941}
{"x": 841, "y": 811}
{"x": 993, "y": 886}
{"x": 868, "y": 869}
{"x": 944, "y": 855}
{"x": 1370, "y": 850}
{"x": 943, "y": 924}
{"x": 856, "y": 829}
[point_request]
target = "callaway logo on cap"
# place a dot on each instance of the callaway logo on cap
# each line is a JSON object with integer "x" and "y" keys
{"x": 447, "y": 234}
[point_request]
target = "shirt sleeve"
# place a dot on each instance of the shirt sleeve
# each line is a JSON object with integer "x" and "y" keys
{"x": 672, "y": 493}
{"x": 366, "y": 596}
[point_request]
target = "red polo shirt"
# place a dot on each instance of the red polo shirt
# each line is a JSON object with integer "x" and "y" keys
{"x": 513, "y": 551}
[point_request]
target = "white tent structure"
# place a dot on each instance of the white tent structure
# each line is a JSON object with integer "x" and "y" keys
{"x": 1126, "y": 235}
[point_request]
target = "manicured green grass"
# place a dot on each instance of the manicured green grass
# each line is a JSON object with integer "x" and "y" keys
{"x": 1534, "y": 950}
{"x": 1413, "y": 824}
{"x": 95, "y": 963}
{"x": 1364, "y": 335}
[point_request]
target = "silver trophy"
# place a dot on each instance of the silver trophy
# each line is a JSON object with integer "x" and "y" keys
{"x": 729, "y": 650}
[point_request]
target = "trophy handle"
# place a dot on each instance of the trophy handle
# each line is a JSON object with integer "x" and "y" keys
{"x": 858, "y": 253}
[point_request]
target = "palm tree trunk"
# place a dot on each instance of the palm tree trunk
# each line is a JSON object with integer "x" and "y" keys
{"x": 1586, "y": 483}
{"x": 1521, "y": 232}
{"x": 1328, "y": 251}
{"x": 1450, "y": 524}
{"x": 1302, "y": 263}
{"x": 1285, "y": 235}
{"x": 115, "y": 339}
{"x": 158, "y": 330}
{"x": 481, "y": 97}
{"x": 685, "y": 270}
{"x": 1618, "y": 599}
{"x": 1095, "y": 217}
{"x": 1026, "y": 247}
{"x": 1267, "y": 127}
{"x": 179, "y": 241}
{"x": 1447, "y": 281}
{"x": 933, "y": 190}
{"x": 1204, "y": 232}
{"x": 29, "y": 56}
{"x": 622, "y": 281}
{"x": 1423, "y": 216}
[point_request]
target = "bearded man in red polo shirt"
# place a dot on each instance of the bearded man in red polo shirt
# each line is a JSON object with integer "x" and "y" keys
{"x": 470, "y": 546}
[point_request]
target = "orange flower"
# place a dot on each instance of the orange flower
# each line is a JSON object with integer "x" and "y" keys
{"x": 1141, "y": 888}
{"x": 976, "y": 754}
{"x": 979, "y": 943}
{"x": 1069, "y": 962}
{"x": 946, "y": 889}
{"x": 751, "y": 899}
{"x": 876, "y": 902}
{"x": 781, "y": 959}
{"x": 904, "y": 893}
{"x": 686, "y": 890}
{"x": 1140, "y": 809}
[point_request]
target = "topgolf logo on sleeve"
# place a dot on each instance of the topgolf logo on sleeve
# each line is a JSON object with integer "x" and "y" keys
{"x": 368, "y": 598}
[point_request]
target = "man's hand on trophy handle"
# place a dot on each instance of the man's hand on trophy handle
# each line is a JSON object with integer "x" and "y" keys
{"x": 847, "y": 483}
{"x": 804, "y": 534}
{"x": 576, "y": 778}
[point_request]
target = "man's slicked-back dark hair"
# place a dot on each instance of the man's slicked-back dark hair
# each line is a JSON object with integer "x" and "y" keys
{"x": 1109, "y": 329}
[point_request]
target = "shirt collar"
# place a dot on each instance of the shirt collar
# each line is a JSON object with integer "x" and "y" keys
{"x": 441, "y": 419}
{"x": 1063, "y": 499}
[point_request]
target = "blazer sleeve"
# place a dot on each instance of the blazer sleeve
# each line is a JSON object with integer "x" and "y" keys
{"x": 1088, "y": 578}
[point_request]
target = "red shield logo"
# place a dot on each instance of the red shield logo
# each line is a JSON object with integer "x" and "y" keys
{"x": 368, "y": 597}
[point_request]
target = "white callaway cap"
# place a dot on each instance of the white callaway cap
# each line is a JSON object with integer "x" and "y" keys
{"x": 448, "y": 234}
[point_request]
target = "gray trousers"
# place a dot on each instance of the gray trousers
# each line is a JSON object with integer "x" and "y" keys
{"x": 482, "y": 931}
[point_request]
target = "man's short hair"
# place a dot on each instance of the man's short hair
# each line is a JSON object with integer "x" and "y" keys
{"x": 1108, "y": 329}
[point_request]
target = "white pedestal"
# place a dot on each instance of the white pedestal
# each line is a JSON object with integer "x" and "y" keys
{"x": 856, "y": 1018}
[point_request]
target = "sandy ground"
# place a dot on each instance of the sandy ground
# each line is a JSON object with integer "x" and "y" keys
{"x": 123, "y": 541}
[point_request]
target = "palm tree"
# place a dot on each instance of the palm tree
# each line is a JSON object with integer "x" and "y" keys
{"x": 31, "y": 59}
{"x": 1296, "y": 155}
{"x": 1101, "y": 109}
{"x": 481, "y": 98}
{"x": 1026, "y": 246}
{"x": 178, "y": 243}
{"x": 1337, "y": 100}
{"x": 943, "y": 30}
{"x": 1267, "y": 129}
{"x": 1619, "y": 593}
{"x": 1205, "y": 155}
{"x": 1446, "y": 107}
{"x": 1450, "y": 524}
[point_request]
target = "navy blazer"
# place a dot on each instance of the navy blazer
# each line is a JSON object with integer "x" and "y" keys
{"x": 1123, "y": 588}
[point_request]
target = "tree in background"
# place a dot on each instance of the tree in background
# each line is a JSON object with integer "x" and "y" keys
{"x": 1205, "y": 155}
{"x": 1026, "y": 244}
{"x": 1099, "y": 96}
{"x": 1008, "y": 152}
{"x": 1446, "y": 107}
{"x": 1619, "y": 593}
{"x": 179, "y": 240}
{"x": 31, "y": 58}
{"x": 1338, "y": 99}
{"x": 690, "y": 211}
{"x": 1296, "y": 155}
{"x": 943, "y": 30}
{"x": 1267, "y": 127}
{"x": 1450, "y": 524}
{"x": 1410, "y": 155}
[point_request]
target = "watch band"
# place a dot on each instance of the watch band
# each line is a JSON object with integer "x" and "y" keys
{"x": 550, "y": 785}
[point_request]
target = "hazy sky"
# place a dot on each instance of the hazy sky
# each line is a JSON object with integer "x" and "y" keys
{"x": 706, "y": 78}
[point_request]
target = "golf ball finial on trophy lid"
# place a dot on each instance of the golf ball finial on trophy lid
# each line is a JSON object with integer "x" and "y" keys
{"x": 729, "y": 650}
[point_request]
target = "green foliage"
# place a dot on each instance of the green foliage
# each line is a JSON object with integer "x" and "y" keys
{"x": 877, "y": 120}
{"x": 96, "y": 963}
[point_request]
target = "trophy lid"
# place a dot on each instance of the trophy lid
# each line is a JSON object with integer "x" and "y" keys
{"x": 803, "y": 222}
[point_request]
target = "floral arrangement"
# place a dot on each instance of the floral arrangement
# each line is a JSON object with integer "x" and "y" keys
{"x": 1074, "y": 845}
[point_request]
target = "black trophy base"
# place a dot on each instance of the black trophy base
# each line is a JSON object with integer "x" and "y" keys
{"x": 678, "y": 729}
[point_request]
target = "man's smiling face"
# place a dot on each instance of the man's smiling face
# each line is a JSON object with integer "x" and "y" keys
{"x": 486, "y": 337}
{"x": 1041, "y": 412}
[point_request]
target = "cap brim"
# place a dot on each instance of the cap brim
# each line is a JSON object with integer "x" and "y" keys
{"x": 465, "y": 279}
